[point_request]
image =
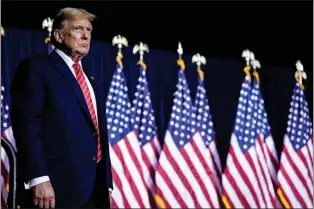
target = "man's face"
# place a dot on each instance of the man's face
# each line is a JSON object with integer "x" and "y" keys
{"x": 76, "y": 36}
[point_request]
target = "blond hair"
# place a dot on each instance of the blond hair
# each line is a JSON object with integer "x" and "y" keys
{"x": 69, "y": 13}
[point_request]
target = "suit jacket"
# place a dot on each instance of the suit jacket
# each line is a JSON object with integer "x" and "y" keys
{"x": 53, "y": 129}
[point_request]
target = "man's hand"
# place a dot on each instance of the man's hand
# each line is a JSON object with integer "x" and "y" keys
{"x": 44, "y": 195}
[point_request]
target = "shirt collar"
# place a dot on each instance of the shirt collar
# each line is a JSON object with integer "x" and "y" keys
{"x": 66, "y": 58}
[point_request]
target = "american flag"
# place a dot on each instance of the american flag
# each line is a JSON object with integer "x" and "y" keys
{"x": 129, "y": 188}
{"x": 246, "y": 180}
{"x": 205, "y": 126}
{"x": 265, "y": 134}
{"x": 295, "y": 175}
{"x": 182, "y": 175}
{"x": 143, "y": 120}
{"x": 7, "y": 134}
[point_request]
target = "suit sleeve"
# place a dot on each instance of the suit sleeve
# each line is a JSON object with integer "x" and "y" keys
{"x": 28, "y": 101}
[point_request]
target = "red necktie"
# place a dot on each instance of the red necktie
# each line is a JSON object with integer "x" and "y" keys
{"x": 82, "y": 82}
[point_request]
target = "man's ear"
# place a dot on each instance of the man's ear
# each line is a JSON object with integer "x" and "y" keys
{"x": 58, "y": 36}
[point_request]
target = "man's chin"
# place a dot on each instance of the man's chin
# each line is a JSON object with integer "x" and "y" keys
{"x": 83, "y": 52}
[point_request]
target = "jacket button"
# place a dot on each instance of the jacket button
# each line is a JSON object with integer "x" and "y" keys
{"x": 94, "y": 158}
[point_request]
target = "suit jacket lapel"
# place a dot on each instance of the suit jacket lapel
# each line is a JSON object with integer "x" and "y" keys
{"x": 67, "y": 74}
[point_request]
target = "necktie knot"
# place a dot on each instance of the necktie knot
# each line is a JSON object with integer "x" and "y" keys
{"x": 77, "y": 68}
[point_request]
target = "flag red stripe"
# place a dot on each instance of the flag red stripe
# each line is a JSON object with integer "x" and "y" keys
{"x": 285, "y": 196}
{"x": 234, "y": 185}
{"x": 297, "y": 172}
{"x": 303, "y": 159}
{"x": 293, "y": 188}
{"x": 265, "y": 169}
{"x": 172, "y": 188}
{"x": 161, "y": 194}
{"x": 133, "y": 186}
{"x": 205, "y": 166}
{"x": 273, "y": 161}
{"x": 244, "y": 174}
{"x": 310, "y": 155}
{"x": 176, "y": 167}
{"x": 250, "y": 161}
{"x": 120, "y": 187}
{"x": 197, "y": 177}
{"x": 138, "y": 167}
{"x": 151, "y": 170}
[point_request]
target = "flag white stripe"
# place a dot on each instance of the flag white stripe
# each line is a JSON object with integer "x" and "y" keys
{"x": 9, "y": 134}
{"x": 294, "y": 203}
{"x": 268, "y": 187}
{"x": 272, "y": 168}
{"x": 295, "y": 180}
{"x": 207, "y": 181}
{"x": 261, "y": 188}
{"x": 233, "y": 196}
{"x": 245, "y": 164}
{"x": 238, "y": 180}
{"x": 214, "y": 151}
{"x": 135, "y": 173}
{"x": 310, "y": 162}
{"x": 177, "y": 182}
{"x": 126, "y": 187}
{"x": 216, "y": 160}
{"x": 303, "y": 169}
{"x": 201, "y": 198}
{"x": 5, "y": 159}
{"x": 162, "y": 185}
{"x": 117, "y": 197}
{"x": 187, "y": 172}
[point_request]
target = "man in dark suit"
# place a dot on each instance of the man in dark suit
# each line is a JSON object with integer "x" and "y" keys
{"x": 58, "y": 119}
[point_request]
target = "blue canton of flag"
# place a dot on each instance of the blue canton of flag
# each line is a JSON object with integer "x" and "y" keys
{"x": 179, "y": 124}
{"x": 295, "y": 175}
{"x": 143, "y": 118}
{"x": 118, "y": 108}
{"x": 245, "y": 128}
{"x": 129, "y": 188}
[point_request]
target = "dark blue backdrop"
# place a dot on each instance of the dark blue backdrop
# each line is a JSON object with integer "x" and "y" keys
{"x": 223, "y": 80}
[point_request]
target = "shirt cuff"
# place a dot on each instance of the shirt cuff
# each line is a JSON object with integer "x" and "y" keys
{"x": 36, "y": 181}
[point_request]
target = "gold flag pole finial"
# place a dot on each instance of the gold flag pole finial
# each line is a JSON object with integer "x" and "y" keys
{"x": 300, "y": 74}
{"x": 141, "y": 48}
{"x": 47, "y": 23}
{"x": 120, "y": 41}
{"x": 180, "y": 61}
{"x": 199, "y": 60}
{"x": 256, "y": 64}
{"x": 248, "y": 55}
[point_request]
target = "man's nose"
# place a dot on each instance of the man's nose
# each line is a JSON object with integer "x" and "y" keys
{"x": 85, "y": 35}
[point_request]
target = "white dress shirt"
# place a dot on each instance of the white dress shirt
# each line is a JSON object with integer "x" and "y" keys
{"x": 69, "y": 62}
